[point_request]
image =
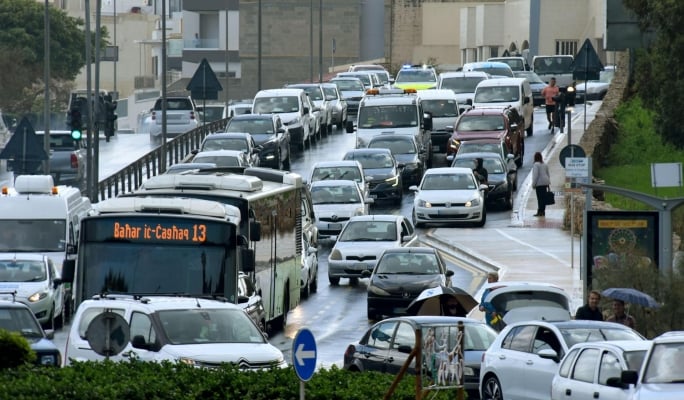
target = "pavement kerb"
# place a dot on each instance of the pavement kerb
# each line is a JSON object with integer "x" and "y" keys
{"x": 471, "y": 257}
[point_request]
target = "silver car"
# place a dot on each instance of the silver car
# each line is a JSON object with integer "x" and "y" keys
{"x": 338, "y": 105}
{"x": 334, "y": 203}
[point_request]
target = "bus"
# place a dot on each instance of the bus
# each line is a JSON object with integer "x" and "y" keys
{"x": 151, "y": 246}
{"x": 271, "y": 204}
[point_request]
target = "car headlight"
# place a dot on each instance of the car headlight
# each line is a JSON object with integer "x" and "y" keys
{"x": 377, "y": 291}
{"x": 188, "y": 361}
{"x": 335, "y": 255}
{"x": 394, "y": 181}
{"x": 360, "y": 211}
{"x": 473, "y": 202}
{"x": 423, "y": 203}
{"x": 50, "y": 359}
{"x": 37, "y": 296}
{"x": 468, "y": 371}
{"x": 455, "y": 144}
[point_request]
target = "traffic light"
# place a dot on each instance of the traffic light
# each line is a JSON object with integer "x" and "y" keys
{"x": 75, "y": 122}
{"x": 110, "y": 116}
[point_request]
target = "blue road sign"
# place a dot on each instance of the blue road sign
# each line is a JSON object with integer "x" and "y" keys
{"x": 304, "y": 354}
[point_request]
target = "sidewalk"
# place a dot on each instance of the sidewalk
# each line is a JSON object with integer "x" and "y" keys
{"x": 528, "y": 248}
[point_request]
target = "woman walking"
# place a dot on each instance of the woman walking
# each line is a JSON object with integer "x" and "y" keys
{"x": 541, "y": 182}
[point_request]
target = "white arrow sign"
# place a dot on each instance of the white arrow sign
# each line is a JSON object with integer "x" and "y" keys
{"x": 301, "y": 354}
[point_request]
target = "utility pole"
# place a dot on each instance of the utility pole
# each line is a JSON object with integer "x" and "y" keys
{"x": 162, "y": 159}
{"x": 320, "y": 41}
{"x": 117, "y": 54}
{"x": 311, "y": 68}
{"x": 259, "y": 47}
{"x": 92, "y": 193}
{"x": 46, "y": 78}
{"x": 227, "y": 64}
{"x": 97, "y": 104}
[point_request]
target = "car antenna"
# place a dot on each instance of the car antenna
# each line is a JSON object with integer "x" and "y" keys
{"x": 198, "y": 302}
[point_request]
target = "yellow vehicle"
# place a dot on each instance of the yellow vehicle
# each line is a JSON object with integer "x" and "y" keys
{"x": 416, "y": 77}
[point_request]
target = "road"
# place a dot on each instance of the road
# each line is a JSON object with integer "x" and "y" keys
{"x": 336, "y": 314}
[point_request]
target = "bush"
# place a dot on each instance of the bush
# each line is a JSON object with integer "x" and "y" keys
{"x": 14, "y": 350}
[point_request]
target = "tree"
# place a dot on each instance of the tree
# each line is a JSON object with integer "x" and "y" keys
{"x": 22, "y": 57}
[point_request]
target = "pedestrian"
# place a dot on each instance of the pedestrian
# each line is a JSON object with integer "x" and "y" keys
{"x": 488, "y": 308}
{"x": 541, "y": 182}
{"x": 620, "y": 316}
{"x": 549, "y": 92}
{"x": 591, "y": 311}
{"x": 452, "y": 308}
{"x": 196, "y": 40}
{"x": 480, "y": 171}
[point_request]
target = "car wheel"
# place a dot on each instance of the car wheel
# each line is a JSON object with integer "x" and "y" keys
{"x": 508, "y": 200}
{"x": 286, "y": 308}
{"x": 334, "y": 280}
{"x": 305, "y": 291}
{"x": 491, "y": 389}
{"x": 353, "y": 281}
{"x": 281, "y": 164}
{"x": 482, "y": 222}
{"x": 286, "y": 162}
{"x": 530, "y": 130}
{"x": 314, "y": 284}
{"x": 416, "y": 224}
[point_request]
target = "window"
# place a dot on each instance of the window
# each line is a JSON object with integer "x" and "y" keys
{"x": 565, "y": 367}
{"x": 381, "y": 335}
{"x": 586, "y": 366}
{"x": 566, "y": 47}
{"x": 546, "y": 339}
{"x": 405, "y": 336}
{"x": 609, "y": 368}
{"x": 520, "y": 339}
{"x": 141, "y": 326}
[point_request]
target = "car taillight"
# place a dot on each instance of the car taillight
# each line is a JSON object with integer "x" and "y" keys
{"x": 349, "y": 352}
{"x": 154, "y": 115}
{"x": 74, "y": 161}
{"x": 192, "y": 115}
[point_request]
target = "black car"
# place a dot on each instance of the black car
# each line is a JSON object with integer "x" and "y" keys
{"x": 400, "y": 275}
{"x": 382, "y": 171}
{"x": 406, "y": 151}
{"x": 502, "y": 178}
{"x": 385, "y": 347}
{"x": 18, "y": 317}
{"x": 269, "y": 134}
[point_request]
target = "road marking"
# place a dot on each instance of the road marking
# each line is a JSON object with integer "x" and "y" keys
{"x": 535, "y": 248}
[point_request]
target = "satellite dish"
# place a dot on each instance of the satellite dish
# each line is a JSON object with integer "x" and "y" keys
{"x": 108, "y": 334}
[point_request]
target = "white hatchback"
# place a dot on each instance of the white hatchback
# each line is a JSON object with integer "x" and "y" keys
{"x": 194, "y": 331}
{"x": 334, "y": 203}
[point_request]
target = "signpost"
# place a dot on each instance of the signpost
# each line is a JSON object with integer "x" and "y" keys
{"x": 577, "y": 171}
{"x": 108, "y": 334}
{"x": 304, "y": 356}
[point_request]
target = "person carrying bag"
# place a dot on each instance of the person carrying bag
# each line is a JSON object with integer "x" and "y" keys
{"x": 541, "y": 181}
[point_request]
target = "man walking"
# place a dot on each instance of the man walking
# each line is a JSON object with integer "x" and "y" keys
{"x": 549, "y": 92}
{"x": 590, "y": 310}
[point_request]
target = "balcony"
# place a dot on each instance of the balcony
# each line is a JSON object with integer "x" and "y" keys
{"x": 201, "y": 43}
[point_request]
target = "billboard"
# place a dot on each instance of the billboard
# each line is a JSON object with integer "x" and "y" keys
{"x": 616, "y": 238}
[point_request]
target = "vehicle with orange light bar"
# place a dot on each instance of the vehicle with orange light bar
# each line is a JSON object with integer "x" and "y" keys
{"x": 416, "y": 77}
{"x": 38, "y": 217}
{"x": 396, "y": 111}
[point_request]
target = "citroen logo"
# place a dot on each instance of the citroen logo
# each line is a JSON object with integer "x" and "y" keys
{"x": 333, "y": 217}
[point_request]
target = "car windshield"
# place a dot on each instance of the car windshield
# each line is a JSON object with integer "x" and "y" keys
{"x": 335, "y": 195}
{"x": 465, "y": 84}
{"x": 220, "y": 161}
{"x": 396, "y": 146}
{"x": 480, "y": 123}
{"x": 205, "y": 325}
{"x": 497, "y": 94}
{"x": 224, "y": 144}
{"x": 529, "y": 75}
{"x": 552, "y": 65}
{"x": 251, "y": 126}
{"x": 448, "y": 182}
{"x": 21, "y": 320}
{"x": 330, "y": 93}
{"x": 495, "y": 71}
{"x": 374, "y": 160}
{"x": 349, "y": 85}
{"x": 573, "y": 336}
{"x": 383, "y": 76}
{"x": 441, "y": 108}
{"x": 416, "y": 75}
{"x": 665, "y": 364}
{"x": 22, "y": 271}
{"x": 474, "y": 147}
{"x": 314, "y": 92}
{"x": 369, "y": 231}
{"x": 396, "y": 116}
{"x": 276, "y": 105}
{"x": 341, "y": 173}
{"x": 408, "y": 264}
{"x": 363, "y": 77}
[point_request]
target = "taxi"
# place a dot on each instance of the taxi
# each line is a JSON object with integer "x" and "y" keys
{"x": 416, "y": 77}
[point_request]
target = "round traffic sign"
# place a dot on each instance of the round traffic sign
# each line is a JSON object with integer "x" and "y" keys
{"x": 571, "y": 150}
{"x": 108, "y": 334}
{"x": 304, "y": 354}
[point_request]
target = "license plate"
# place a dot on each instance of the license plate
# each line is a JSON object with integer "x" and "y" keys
{"x": 360, "y": 266}
{"x": 435, "y": 148}
{"x": 335, "y": 226}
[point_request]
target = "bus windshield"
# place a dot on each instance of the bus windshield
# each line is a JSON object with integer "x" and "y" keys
{"x": 160, "y": 254}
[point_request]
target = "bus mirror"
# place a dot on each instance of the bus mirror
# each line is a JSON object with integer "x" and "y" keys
{"x": 68, "y": 269}
{"x": 71, "y": 249}
{"x": 247, "y": 259}
{"x": 254, "y": 231}
{"x": 242, "y": 241}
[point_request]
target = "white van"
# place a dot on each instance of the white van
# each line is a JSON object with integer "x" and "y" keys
{"x": 295, "y": 110}
{"x": 493, "y": 68}
{"x": 463, "y": 84}
{"x": 44, "y": 219}
{"x": 505, "y": 92}
{"x": 442, "y": 104}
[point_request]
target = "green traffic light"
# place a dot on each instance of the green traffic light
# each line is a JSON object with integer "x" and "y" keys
{"x": 76, "y": 134}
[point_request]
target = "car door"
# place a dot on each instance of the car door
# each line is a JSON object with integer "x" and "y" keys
{"x": 403, "y": 342}
{"x": 253, "y": 152}
{"x": 538, "y": 372}
{"x": 56, "y": 289}
{"x": 580, "y": 382}
{"x": 509, "y": 360}
{"x": 609, "y": 366}
{"x": 143, "y": 343}
{"x": 373, "y": 355}
{"x": 408, "y": 233}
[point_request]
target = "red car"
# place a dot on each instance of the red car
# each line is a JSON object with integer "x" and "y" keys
{"x": 490, "y": 123}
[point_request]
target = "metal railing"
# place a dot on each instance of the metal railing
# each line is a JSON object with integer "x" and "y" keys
{"x": 132, "y": 176}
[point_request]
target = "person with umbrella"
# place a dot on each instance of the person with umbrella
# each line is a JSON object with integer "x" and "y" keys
{"x": 452, "y": 308}
{"x": 620, "y": 316}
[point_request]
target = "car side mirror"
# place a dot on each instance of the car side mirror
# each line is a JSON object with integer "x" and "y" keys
{"x": 56, "y": 282}
{"x": 49, "y": 333}
{"x": 449, "y": 273}
{"x": 305, "y": 110}
{"x": 549, "y": 354}
{"x": 616, "y": 382}
{"x": 139, "y": 342}
{"x": 242, "y": 299}
{"x": 629, "y": 377}
{"x": 404, "y": 348}
{"x": 369, "y": 200}
{"x": 514, "y": 126}
{"x": 469, "y": 102}
{"x": 194, "y": 151}
{"x": 311, "y": 250}
{"x": 526, "y": 100}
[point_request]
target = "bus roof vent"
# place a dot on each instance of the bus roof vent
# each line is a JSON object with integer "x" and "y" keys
{"x": 273, "y": 175}
{"x": 204, "y": 182}
{"x": 34, "y": 184}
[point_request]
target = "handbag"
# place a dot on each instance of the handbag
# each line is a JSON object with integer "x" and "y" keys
{"x": 549, "y": 198}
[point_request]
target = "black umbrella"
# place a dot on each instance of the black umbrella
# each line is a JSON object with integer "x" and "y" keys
{"x": 429, "y": 301}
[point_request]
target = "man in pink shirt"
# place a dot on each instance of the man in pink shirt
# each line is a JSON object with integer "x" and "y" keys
{"x": 549, "y": 92}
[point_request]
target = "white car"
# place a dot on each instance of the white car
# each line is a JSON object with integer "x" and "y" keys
{"x": 222, "y": 158}
{"x": 593, "y": 370}
{"x": 191, "y": 330}
{"x": 34, "y": 279}
{"x": 362, "y": 241}
{"x": 334, "y": 203}
{"x": 449, "y": 195}
{"x": 339, "y": 170}
{"x": 523, "y": 360}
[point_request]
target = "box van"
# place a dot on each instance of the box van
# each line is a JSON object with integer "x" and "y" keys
{"x": 443, "y": 106}
{"x": 463, "y": 85}
{"x": 505, "y": 92}
{"x": 495, "y": 69}
{"x": 295, "y": 110}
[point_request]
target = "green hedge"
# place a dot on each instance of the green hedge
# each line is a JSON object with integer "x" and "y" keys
{"x": 14, "y": 350}
{"x": 137, "y": 380}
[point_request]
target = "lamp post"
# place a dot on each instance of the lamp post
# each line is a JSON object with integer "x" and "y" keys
{"x": 46, "y": 78}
